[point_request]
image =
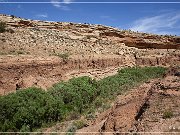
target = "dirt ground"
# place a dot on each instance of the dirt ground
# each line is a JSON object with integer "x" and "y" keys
{"x": 153, "y": 107}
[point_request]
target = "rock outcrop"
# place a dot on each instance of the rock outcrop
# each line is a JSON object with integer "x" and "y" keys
{"x": 46, "y": 38}
{"x": 29, "y": 52}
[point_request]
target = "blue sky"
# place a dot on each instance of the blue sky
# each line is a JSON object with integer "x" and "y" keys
{"x": 152, "y": 18}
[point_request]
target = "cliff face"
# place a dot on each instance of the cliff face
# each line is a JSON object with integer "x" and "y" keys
{"x": 27, "y": 50}
{"x": 26, "y": 71}
{"x": 45, "y": 38}
{"x": 43, "y": 72}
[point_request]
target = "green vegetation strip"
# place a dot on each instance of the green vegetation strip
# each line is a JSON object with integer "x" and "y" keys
{"x": 29, "y": 109}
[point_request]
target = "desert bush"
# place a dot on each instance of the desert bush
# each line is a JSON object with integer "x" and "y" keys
{"x": 27, "y": 109}
{"x": 71, "y": 130}
{"x": 77, "y": 93}
{"x": 2, "y": 27}
{"x": 64, "y": 56}
{"x": 127, "y": 78}
{"x": 79, "y": 124}
{"x": 167, "y": 114}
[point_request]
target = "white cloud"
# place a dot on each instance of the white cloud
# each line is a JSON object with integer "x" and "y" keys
{"x": 55, "y": 3}
{"x": 160, "y": 24}
{"x": 67, "y": 1}
{"x": 60, "y": 4}
{"x": 42, "y": 15}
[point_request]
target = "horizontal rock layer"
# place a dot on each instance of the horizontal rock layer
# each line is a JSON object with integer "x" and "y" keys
{"x": 29, "y": 51}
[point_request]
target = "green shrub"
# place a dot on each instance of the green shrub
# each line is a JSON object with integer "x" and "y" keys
{"x": 167, "y": 114}
{"x": 127, "y": 78}
{"x": 2, "y": 27}
{"x": 77, "y": 93}
{"x": 28, "y": 109}
{"x": 98, "y": 102}
{"x": 31, "y": 108}
{"x": 64, "y": 56}
{"x": 79, "y": 124}
{"x": 71, "y": 130}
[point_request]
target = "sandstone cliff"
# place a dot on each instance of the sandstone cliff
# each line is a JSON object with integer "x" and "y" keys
{"x": 45, "y": 38}
{"x": 29, "y": 52}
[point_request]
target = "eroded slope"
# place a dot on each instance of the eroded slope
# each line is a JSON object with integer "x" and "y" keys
{"x": 152, "y": 107}
{"x": 32, "y": 52}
